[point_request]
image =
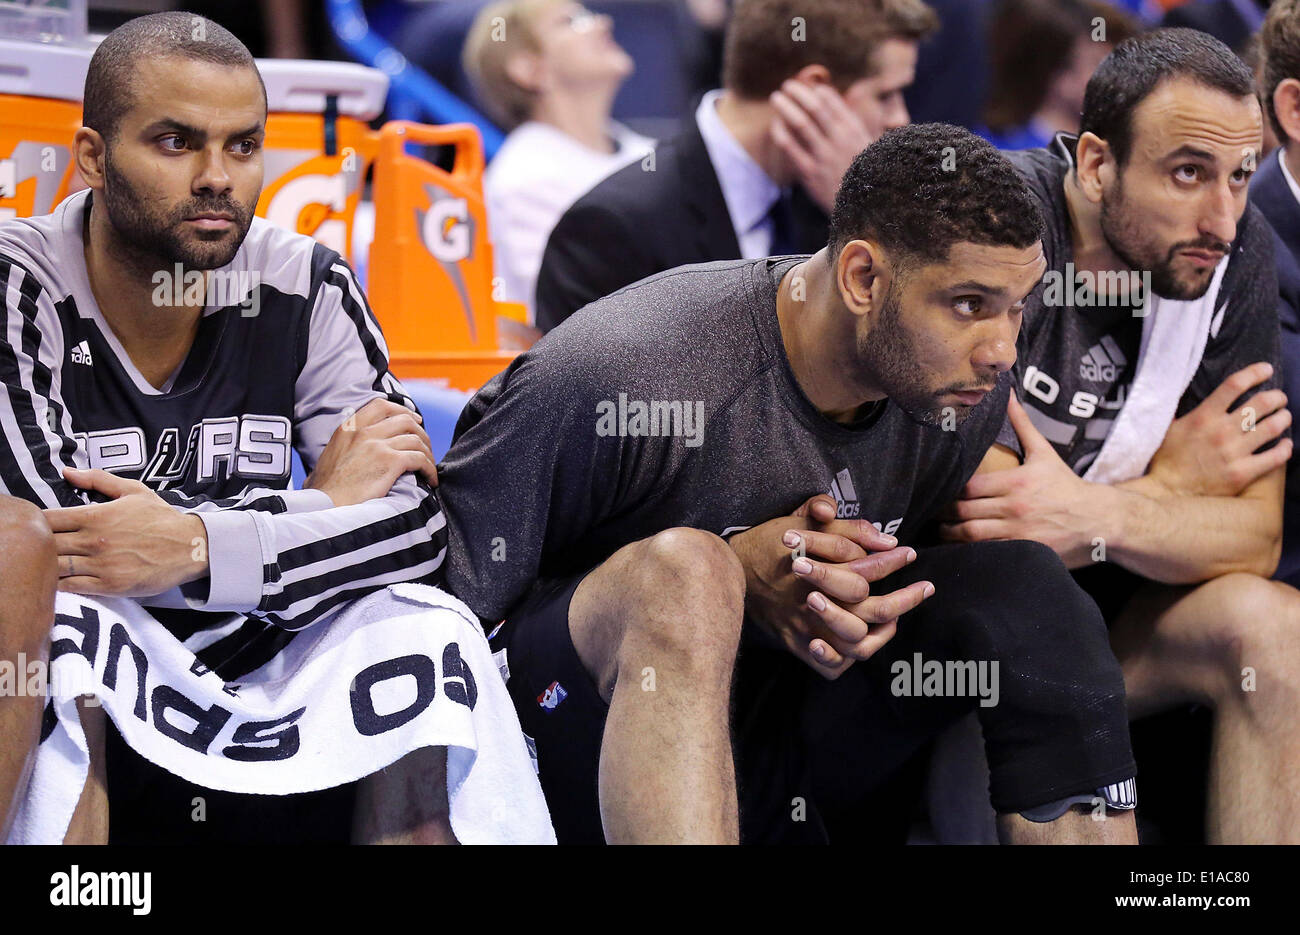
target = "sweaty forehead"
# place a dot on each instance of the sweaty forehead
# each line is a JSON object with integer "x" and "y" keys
{"x": 1187, "y": 113}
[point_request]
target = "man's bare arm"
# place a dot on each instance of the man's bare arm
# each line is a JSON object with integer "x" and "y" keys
{"x": 1172, "y": 537}
{"x": 1183, "y": 539}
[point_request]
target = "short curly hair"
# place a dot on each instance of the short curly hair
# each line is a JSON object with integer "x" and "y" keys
{"x": 920, "y": 189}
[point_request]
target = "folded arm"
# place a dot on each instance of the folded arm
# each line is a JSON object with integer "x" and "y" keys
{"x": 1159, "y": 525}
{"x": 1183, "y": 539}
{"x": 287, "y": 556}
{"x": 294, "y": 568}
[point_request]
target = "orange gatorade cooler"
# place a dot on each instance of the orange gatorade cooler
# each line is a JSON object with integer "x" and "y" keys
{"x": 40, "y": 110}
{"x": 318, "y": 145}
{"x": 430, "y": 268}
{"x": 429, "y": 273}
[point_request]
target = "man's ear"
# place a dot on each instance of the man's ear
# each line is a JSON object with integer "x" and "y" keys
{"x": 861, "y": 273}
{"x": 813, "y": 75}
{"x": 1286, "y": 104}
{"x": 88, "y": 149}
{"x": 525, "y": 70}
{"x": 1095, "y": 164}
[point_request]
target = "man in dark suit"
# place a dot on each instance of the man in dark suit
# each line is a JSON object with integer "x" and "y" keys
{"x": 1232, "y": 22}
{"x": 1274, "y": 191}
{"x": 754, "y": 173}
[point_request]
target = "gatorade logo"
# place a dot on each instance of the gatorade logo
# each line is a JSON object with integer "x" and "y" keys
{"x": 445, "y": 230}
{"x": 288, "y": 208}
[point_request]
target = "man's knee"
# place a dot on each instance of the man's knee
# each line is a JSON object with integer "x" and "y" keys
{"x": 678, "y": 595}
{"x": 30, "y": 572}
{"x": 677, "y": 568}
{"x": 692, "y": 572}
{"x": 692, "y": 559}
{"x": 1251, "y": 630}
{"x": 1019, "y": 600}
{"x": 1060, "y": 710}
{"x": 1010, "y": 570}
{"x": 25, "y": 537}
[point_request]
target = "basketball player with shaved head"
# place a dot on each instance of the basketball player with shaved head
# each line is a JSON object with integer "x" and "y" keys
{"x": 235, "y": 633}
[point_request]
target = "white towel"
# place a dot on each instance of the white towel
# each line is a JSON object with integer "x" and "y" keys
{"x": 403, "y": 668}
{"x": 1174, "y": 334}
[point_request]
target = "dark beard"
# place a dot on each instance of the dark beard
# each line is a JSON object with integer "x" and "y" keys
{"x": 1123, "y": 235}
{"x": 887, "y": 359}
{"x": 153, "y": 240}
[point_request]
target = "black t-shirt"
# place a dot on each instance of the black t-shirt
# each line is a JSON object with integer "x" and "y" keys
{"x": 541, "y": 481}
{"x": 1076, "y": 361}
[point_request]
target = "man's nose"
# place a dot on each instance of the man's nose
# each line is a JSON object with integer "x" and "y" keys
{"x": 997, "y": 353}
{"x": 1219, "y": 214}
{"x": 213, "y": 175}
{"x": 897, "y": 115}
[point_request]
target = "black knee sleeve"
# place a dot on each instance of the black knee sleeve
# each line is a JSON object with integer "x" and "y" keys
{"x": 1059, "y": 726}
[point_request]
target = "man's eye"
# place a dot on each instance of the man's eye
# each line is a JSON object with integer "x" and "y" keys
{"x": 166, "y": 142}
{"x": 967, "y": 304}
{"x": 246, "y": 147}
{"x": 1187, "y": 173}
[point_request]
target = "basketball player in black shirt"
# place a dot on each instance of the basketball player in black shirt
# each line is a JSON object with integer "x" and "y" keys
{"x": 1177, "y": 551}
{"x": 612, "y": 495}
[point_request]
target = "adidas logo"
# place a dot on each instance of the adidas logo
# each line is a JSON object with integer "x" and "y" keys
{"x": 846, "y": 498}
{"x": 1103, "y": 361}
{"x": 81, "y": 354}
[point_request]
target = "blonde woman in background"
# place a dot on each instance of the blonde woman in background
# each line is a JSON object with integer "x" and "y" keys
{"x": 548, "y": 71}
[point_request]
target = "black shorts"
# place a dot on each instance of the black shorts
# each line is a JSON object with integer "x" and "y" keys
{"x": 562, "y": 712}
{"x": 799, "y": 739}
{"x": 1111, "y": 586}
{"x": 1173, "y": 747}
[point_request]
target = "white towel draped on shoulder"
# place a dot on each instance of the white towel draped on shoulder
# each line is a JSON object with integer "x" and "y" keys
{"x": 1174, "y": 334}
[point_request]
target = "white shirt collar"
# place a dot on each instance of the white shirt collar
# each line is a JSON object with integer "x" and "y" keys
{"x": 534, "y": 134}
{"x": 1286, "y": 174}
{"x": 746, "y": 188}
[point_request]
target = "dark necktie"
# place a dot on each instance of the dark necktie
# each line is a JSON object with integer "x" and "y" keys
{"x": 783, "y": 232}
